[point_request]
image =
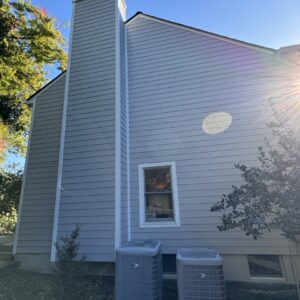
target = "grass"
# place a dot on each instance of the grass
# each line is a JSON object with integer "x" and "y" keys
{"x": 16, "y": 284}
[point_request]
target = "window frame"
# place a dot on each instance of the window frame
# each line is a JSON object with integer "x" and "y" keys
{"x": 267, "y": 277}
{"x": 142, "y": 201}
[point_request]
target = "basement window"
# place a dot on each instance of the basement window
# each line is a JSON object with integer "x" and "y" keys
{"x": 268, "y": 266}
{"x": 158, "y": 195}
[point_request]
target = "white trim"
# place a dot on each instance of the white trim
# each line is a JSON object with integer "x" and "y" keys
{"x": 208, "y": 34}
{"x": 127, "y": 143}
{"x": 44, "y": 89}
{"x": 62, "y": 144}
{"x": 268, "y": 279}
{"x": 122, "y": 8}
{"x": 142, "y": 208}
{"x": 16, "y": 236}
{"x": 117, "y": 131}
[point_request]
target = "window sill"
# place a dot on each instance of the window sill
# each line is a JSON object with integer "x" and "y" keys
{"x": 267, "y": 279}
{"x": 159, "y": 225}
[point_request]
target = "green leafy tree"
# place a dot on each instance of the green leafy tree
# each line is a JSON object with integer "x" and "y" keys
{"x": 10, "y": 188}
{"x": 8, "y": 223}
{"x": 269, "y": 198}
{"x": 29, "y": 40}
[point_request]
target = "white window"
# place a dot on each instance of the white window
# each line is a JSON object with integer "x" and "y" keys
{"x": 158, "y": 195}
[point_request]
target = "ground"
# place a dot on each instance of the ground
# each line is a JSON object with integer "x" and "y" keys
{"x": 16, "y": 284}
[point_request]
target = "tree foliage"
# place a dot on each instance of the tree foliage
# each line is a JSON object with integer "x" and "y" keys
{"x": 29, "y": 40}
{"x": 8, "y": 223}
{"x": 269, "y": 198}
{"x": 10, "y": 188}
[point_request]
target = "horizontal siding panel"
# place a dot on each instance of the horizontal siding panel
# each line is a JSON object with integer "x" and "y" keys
{"x": 95, "y": 184}
{"x": 87, "y": 197}
{"x": 76, "y": 166}
{"x": 80, "y": 178}
{"x": 36, "y": 249}
{"x": 223, "y": 250}
{"x": 86, "y": 211}
{"x": 78, "y": 92}
{"x": 35, "y": 234}
{"x": 98, "y": 220}
{"x": 91, "y": 160}
{"x": 176, "y": 79}
{"x": 87, "y": 202}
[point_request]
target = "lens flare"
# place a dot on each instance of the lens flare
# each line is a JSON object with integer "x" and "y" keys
{"x": 216, "y": 123}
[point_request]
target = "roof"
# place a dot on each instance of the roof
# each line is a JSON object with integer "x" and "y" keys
{"x": 211, "y": 34}
{"x": 30, "y": 99}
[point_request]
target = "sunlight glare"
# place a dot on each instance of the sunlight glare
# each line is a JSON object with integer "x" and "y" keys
{"x": 216, "y": 123}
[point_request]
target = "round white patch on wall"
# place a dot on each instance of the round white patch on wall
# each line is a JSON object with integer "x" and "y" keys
{"x": 216, "y": 122}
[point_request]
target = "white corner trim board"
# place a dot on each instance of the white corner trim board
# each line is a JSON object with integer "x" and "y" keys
{"x": 118, "y": 130}
{"x": 142, "y": 207}
{"x": 16, "y": 237}
{"x": 62, "y": 144}
{"x": 122, "y": 8}
{"x": 127, "y": 143}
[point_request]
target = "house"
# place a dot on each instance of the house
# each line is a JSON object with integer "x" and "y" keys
{"x": 138, "y": 139}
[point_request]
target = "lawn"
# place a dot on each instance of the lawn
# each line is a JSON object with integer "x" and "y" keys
{"x": 16, "y": 284}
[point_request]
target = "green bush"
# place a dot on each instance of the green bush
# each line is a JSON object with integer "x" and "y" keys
{"x": 8, "y": 222}
{"x": 71, "y": 271}
{"x": 10, "y": 188}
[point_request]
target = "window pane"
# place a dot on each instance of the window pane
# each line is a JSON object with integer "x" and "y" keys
{"x": 157, "y": 179}
{"x": 264, "y": 266}
{"x": 159, "y": 207}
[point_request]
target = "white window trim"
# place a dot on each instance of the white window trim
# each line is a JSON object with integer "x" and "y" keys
{"x": 158, "y": 224}
{"x": 268, "y": 278}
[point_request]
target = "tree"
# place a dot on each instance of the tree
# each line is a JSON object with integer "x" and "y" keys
{"x": 10, "y": 188}
{"x": 29, "y": 40}
{"x": 269, "y": 198}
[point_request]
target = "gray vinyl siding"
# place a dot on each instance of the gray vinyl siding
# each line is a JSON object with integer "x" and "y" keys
{"x": 36, "y": 224}
{"x": 88, "y": 172}
{"x": 177, "y": 78}
{"x": 124, "y": 202}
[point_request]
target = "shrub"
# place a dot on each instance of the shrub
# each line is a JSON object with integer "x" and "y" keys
{"x": 10, "y": 188}
{"x": 8, "y": 222}
{"x": 69, "y": 266}
{"x": 269, "y": 198}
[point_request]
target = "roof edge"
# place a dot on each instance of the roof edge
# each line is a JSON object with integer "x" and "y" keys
{"x": 41, "y": 90}
{"x": 135, "y": 15}
{"x": 207, "y": 33}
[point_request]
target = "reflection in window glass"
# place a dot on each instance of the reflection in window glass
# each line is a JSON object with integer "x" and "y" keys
{"x": 158, "y": 194}
{"x": 264, "y": 266}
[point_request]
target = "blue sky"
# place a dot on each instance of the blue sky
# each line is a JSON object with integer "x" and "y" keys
{"x": 271, "y": 23}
